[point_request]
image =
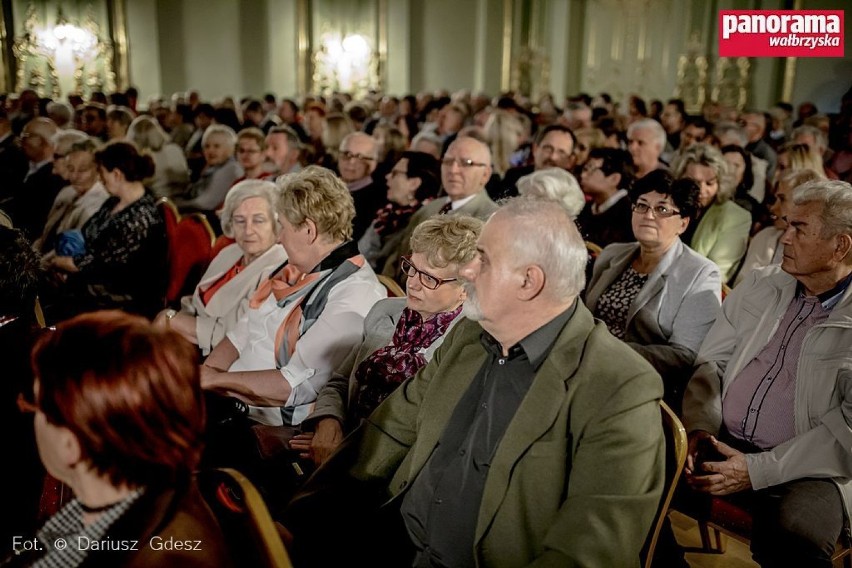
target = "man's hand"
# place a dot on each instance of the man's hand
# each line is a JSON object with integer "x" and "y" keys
{"x": 302, "y": 443}
{"x": 328, "y": 435}
{"x": 725, "y": 477}
{"x": 695, "y": 440}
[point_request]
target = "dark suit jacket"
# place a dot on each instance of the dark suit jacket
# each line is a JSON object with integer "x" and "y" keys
{"x": 30, "y": 208}
{"x": 577, "y": 477}
{"x": 368, "y": 200}
{"x": 13, "y": 168}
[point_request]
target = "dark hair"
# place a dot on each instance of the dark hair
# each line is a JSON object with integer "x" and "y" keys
{"x": 206, "y": 109}
{"x": 748, "y": 175}
{"x": 128, "y": 391}
{"x": 539, "y": 137}
{"x": 615, "y": 161}
{"x": 293, "y": 106}
{"x": 126, "y": 158}
{"x": 699, "y": 122}
{"x": 98, "y": 108}
{"x": 118, "y": 99}
{"x": 269, "y": 98}
{"x": 253, "y": 105}
{"x": 20, "y": 273}
{"x": 228, "y": 117}
{"x": 411, "y": 124}
{"x": 684, "y": 191}
{"x": 132, "y": 92}
{"x": 427, "y": 168}
{"x": 639, "y": 103}
{"x": 678, "y": 104}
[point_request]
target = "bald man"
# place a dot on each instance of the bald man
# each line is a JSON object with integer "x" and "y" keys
{"x": 465, "y": 169}
{"x": 41, "y": 185}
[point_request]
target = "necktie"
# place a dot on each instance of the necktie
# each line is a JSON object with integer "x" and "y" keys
{"x": 448, "y": 206}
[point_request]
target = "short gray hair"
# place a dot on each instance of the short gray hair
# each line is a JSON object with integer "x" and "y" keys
{"x": 649, "y": 124}
{"x": 557, "y": 185}
{"x": 247, "y": 189}
{"x": 374, "y": 152}
{"x": 546, "y": 235}
{"x": 64, "y": 139}
{"x": 221, "y": 129}
{"x": 836, "y": 199}
{"x": 728, "y": 127}
{"x": 706, "y": 155}
{"x": 808, "y": 130}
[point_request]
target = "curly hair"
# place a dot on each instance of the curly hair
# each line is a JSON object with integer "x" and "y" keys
{"x": 447, "y": 239}
{"x": 317, "y": 194}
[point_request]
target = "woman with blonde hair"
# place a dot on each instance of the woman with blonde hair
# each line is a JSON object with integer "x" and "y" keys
{"x": 335, "y": 128}
{"x": 798, "y": 157}
{"x": 722, "y": 227}
{"x": 171, "y": 172}
{"x": 400, "y": 334}
{"x": 504, "y": 133}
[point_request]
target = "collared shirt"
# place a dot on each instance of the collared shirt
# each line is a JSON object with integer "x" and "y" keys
{"x": 441, "y": 508}
{"x": 614, "y": 198}
{"x": 359, "y": 184}
{"x": 760, "y": 403}
{"x": 461, "y": 202}
{"x": 66, "y": 527}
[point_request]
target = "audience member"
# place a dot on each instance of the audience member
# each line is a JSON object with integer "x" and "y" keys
{"x": 223, "y": 293}
{"x": 119, "y": 417}
{"x": 722, "y": 227}
{"x": 220, "y": 172}
{"x": 171, "y": 171}
{"x": 358, "y": 160}
{"x": 646, "y": 141}
{"x": 508, "y": 391}
{"x": 400, "y": 334}
{"x": 553, "y": 148}
{"x": 767, "y": 409}
{"x": 657, "y": 294}
{"x": 554, "y": 184}
{"x": 607, "y": 217}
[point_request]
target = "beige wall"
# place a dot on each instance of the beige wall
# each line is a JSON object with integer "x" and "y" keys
{"x": 224, "y": 47}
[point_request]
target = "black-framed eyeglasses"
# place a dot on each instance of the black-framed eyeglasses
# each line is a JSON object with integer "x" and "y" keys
{"x": 347, "y": 155}
{"x": 461, "y": 162}
{"x": 428, "y": 281}
{"x": 658, "y": 211}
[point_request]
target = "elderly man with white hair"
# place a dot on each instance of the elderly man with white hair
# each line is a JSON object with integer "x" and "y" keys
{"x": 530, "y": 420}
{"x": 769, "y": 407}
{"x": 646, "y": 140}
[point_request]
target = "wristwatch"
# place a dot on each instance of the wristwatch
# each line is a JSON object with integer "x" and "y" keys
{"x": 170, "y": 314}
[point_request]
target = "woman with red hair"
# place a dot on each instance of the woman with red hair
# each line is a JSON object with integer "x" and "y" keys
{"x": 119, "y": 418}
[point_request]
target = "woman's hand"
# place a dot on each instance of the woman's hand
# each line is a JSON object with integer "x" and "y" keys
{"x": 63, "y": 263}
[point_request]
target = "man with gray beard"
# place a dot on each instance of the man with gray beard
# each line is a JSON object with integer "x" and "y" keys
{"x": 532, "y": 436}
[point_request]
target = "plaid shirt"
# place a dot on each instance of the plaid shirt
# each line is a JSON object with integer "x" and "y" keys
{"x": 67, "y": 527}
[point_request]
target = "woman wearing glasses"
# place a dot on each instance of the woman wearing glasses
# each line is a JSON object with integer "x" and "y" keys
{"x": 400, "y": 334}
{"x": 657, "y": 294}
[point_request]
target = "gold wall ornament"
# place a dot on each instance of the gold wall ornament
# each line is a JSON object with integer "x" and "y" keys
{"x": 60, "y": 57}
{"x": 731, "y": 84}
{"x": 692, "y": 77}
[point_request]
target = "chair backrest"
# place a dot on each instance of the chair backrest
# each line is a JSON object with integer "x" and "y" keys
{"x": 725, "y": 291}
{"x": 190, "y": 240}
{"x": 394, "y": 289}
{"x": 221, "y": 243}
{"x": 676, "y": 447}
{"x": 250, "y": 531}
{"x": 594, "y": 250}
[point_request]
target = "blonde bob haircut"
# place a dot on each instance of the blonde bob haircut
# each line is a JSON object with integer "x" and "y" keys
{"x": 447, "y": 239}
{"x": 317, "y": 194}
{"x": 247, "y": 189}
{"x": 706, "y": 155}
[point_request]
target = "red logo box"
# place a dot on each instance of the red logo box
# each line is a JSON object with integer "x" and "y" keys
{"x": 781, "y": 33}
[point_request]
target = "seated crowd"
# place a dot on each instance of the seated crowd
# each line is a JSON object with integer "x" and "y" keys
{"x": 557, "y": 273}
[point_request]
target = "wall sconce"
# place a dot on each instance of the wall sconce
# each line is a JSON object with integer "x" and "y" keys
{"x": 62, "y": 58}
{"x": 348, "y": 64}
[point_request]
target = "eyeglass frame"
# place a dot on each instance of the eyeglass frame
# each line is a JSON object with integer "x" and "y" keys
{"x": 464, "y": 163}
{"x": 421, "y": 273}
{"x": 347, "y": 155}
{"x": 643, "y": 208}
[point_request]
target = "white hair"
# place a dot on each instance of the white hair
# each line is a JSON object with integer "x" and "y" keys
{"x": 64, "y": 139}
{"x": 836, "y": 199}
{"x": 546, "y": 235}
{"x": 247, "y": 189}
{"x": 222, "y": 129}
{"x": 557, "y": 185}
{"x": 649, "y": 124}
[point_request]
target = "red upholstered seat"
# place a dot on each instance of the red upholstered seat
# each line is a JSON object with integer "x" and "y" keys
{"x": 190, "y": 249}
{"x": 221, "y": 242}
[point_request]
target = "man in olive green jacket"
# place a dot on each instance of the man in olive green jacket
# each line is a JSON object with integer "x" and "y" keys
{"x": 563, "y": 467}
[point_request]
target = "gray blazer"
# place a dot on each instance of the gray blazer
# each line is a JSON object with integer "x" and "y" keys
{"x": 379, "y": 325}
{"x": 673, "y": 311}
